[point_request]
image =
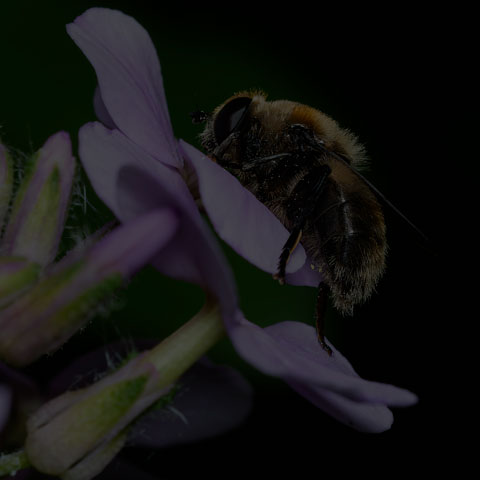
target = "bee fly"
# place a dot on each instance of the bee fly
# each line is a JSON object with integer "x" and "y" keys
{"x": 301, "y": 165}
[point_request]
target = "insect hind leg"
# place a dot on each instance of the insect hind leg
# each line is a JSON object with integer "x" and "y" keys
{"x": 287, "y": 250}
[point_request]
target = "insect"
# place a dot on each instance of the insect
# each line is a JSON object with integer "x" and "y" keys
{"x": 302, "y": 166}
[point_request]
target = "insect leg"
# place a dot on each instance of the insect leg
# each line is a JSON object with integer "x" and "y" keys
{"x": 287, "y": 250}
{"x": 322, "y": 298}
{"x": 305, "y": 213}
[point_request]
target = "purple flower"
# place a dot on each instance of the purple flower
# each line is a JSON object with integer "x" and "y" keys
{"x": 136, "y": 165}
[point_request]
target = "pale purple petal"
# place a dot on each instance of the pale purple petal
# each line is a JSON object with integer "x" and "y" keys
{"x": 305, "y": 275}
{"x": 132, "y": 245}
{"x": 211, "y": 400}
{"x": 365, "y": 417}
{"x": 194, "y": 254}
{"x": 101, "y": 110}
{"x": 130, "y": 182}
{"x": 103, "y": 153}
{"x": 129, "y": 77}
{"x": 238, "y": 217}
{"x": 290, "y": 350}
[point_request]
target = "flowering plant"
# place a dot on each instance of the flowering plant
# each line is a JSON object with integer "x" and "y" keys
{"x": 141, "y": 171}
{"x": 135, "y": 163}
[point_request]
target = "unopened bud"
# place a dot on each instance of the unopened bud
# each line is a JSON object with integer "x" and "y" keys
{"x": 87, "y": 426}
{"x": 40, "y": 205}
{"x": 16, "y": 275}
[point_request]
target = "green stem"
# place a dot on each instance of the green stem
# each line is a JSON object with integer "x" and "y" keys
{"x": 184, "y": 347}
{"x": 11, "y": 463}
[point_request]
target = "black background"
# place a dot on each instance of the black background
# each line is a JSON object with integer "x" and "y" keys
{"x": 395, "y": 76}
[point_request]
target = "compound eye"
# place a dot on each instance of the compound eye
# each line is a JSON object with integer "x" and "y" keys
{"x": 230, "y": 118}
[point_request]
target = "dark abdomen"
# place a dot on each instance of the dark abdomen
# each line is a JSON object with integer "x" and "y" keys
{"x": 345, "y": 238}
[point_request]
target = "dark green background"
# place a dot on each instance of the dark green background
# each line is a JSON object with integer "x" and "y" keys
{"x": 381, "y": 74}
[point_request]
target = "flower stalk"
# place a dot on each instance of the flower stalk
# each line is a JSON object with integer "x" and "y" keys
{"x": 183, "y": 348}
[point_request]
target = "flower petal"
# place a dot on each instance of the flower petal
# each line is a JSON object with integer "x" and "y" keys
{"x": 131, "y": 246}
{"x": 130, "y": 182}
{"x": 290, "y": 350}
{"x": 365, "y": 417}
{"x": 305, "y": 275}
{"x": 103, "y": 153}
{"x": 212, "y": 399}
{"x": 129, "y": 77}
{"x": 101, "y": 110}
{"x": 194, "y": 254}
{"x": 238, "y": 217}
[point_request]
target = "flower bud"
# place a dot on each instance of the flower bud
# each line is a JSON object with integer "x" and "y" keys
{"x": 40, "y": 205}
{"x": 16, "y": 275}
{"x": 87, "y": 426}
